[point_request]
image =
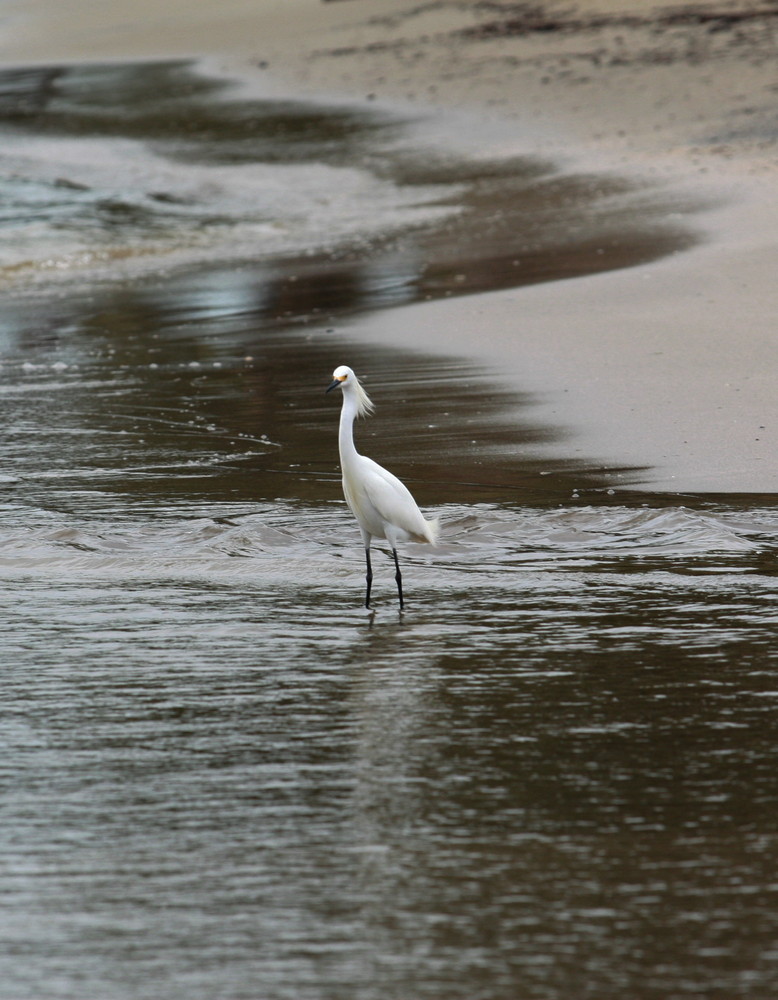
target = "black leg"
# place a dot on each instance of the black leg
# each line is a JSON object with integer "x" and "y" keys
{"x": 398, "y": 577}
{"x": 368, "y": 577}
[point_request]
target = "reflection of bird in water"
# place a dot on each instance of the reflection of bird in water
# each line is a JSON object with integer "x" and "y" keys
{"x": 382, "y": 505}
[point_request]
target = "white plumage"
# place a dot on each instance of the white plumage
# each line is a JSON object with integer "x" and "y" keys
{"x": 382, "y": 505}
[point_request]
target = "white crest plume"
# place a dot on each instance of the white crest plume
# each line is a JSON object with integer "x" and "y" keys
{"x": 365, "y": 405}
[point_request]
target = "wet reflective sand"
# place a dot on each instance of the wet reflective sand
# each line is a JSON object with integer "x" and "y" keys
{"x": 554, "y": 775}
{"x": 125, "y": 169}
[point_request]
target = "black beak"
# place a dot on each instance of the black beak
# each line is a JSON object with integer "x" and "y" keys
{"x": 335, "y": 384}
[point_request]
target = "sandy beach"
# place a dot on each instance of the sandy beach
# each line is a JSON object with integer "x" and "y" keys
{"x": 670, "y": 366}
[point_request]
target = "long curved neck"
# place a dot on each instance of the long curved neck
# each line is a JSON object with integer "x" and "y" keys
{"x": 346, "y": 444}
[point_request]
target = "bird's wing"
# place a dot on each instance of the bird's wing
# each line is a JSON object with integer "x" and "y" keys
{"x": 392, "y": 501}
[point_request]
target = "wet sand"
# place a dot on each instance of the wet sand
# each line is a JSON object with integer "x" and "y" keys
{"x": 668, "y": 365}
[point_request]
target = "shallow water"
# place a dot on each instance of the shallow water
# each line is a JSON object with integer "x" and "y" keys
{"x": 553, "y": 776}
{"x": 224, "y": 778}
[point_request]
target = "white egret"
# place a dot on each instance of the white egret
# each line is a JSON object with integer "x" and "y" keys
{"x": 382, "y": 505}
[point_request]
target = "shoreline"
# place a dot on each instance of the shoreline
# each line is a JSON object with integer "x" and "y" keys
{"x": 671, "y": 364}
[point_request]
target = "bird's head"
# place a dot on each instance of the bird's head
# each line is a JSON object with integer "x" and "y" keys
{"x": 344, "y": 378}
{"x": 340, "y": 377}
